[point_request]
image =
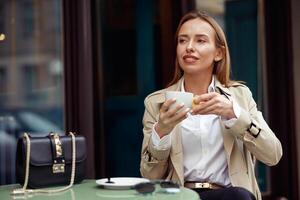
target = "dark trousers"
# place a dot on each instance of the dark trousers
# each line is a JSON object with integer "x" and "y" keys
{"x": 231, "y": 193}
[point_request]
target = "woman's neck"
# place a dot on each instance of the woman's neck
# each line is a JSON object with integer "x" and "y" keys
{"x": 197, "y": 84}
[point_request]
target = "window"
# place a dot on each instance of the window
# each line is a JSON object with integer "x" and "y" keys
{"x": 31, "y": 75}
{"x": 27, "y": 13}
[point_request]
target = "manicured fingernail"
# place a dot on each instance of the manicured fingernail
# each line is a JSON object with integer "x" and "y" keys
{"x": 187, "y": 109}
{"x": 181, "y": 105}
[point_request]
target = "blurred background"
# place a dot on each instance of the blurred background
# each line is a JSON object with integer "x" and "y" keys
{"x": 87, "y": 65}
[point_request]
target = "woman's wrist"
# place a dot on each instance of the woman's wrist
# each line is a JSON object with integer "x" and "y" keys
{"x": 161, "y": 131}
{"x": 231, "y": 114}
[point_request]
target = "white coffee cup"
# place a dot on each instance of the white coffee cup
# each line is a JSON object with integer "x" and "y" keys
{"x": 181, "y": 97}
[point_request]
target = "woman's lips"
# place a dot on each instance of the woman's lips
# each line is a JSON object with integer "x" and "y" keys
{"x": 190, "y": 58}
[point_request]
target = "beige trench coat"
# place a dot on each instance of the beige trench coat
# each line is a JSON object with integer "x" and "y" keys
{"x": 240, "y": 146}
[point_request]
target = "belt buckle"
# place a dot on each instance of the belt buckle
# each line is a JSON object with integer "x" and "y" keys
{"x": 203, "y": 185}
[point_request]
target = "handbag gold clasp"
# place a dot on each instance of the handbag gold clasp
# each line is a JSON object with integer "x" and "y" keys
{"x": 58, "y": 147}
{"x": 58, "y": 167}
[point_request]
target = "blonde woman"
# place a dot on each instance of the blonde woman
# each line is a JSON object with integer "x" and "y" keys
{"x": 211, "y": 148}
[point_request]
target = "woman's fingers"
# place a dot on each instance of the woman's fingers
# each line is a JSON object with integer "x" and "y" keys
{"x": 203, "y": 105}
{"x": 172, "y": 112}
{"x": 205, "y": 97}
{"x": 209, "y": 109}
{"x": 167, "y": 104}
{"x": 217, "y": 104}
{"x": 168, "y": 118}
{"x": 181, "y": 115}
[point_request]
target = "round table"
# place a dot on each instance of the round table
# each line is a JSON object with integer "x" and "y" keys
{"x": 89, "y": 190}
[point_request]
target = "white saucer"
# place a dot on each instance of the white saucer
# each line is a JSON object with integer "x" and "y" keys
{"x": 120, "y": 183}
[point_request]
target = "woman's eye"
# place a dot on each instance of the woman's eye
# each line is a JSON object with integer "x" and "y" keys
{"x": 181, "y": 41}
{"x": 201, "y": 41}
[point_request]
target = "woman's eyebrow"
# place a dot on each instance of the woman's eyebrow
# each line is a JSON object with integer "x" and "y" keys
{"x": 197, "y": 35}
{"x": 183, "y": 35}
{"x": 202, "y": 35}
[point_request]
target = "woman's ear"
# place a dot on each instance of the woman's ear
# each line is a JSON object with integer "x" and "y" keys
{"x": 219, "y": 55}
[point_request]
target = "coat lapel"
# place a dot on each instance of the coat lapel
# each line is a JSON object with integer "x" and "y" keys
{"x": 227, "y": 137}
{"x": 228, "y": 140}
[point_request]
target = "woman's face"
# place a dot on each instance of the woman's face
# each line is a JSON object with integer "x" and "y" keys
{"x": 196, "y": 49}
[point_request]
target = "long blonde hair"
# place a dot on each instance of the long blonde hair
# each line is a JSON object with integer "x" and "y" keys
{"x": 222, "y": 67}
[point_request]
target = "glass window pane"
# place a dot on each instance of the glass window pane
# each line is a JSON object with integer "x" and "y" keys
{"x": 31, "y": 74}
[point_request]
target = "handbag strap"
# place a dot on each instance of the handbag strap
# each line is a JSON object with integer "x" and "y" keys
{"x": 24, "y": 190}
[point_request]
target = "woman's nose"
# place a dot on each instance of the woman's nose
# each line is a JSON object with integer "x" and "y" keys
{"x": 190, "y": 47}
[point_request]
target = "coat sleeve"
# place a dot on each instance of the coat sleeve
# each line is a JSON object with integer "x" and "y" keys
{"x": 154, "y": 163}
{"x": 265, "y": 147}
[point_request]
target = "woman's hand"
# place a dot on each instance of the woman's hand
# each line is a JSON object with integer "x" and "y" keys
{"x": 213, "y": 103}
{"x": 168, "y": 118}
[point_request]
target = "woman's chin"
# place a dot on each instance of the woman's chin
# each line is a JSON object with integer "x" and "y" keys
{"x": 193, "y": 70}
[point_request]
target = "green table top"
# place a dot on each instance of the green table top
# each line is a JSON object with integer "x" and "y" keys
{"x": 89, "y": 190}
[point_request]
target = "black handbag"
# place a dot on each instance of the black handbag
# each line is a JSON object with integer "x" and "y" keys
{"x": 50, "y": 161}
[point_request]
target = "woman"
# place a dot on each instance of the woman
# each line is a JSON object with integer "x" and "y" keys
{"x": 211, "y": 148}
